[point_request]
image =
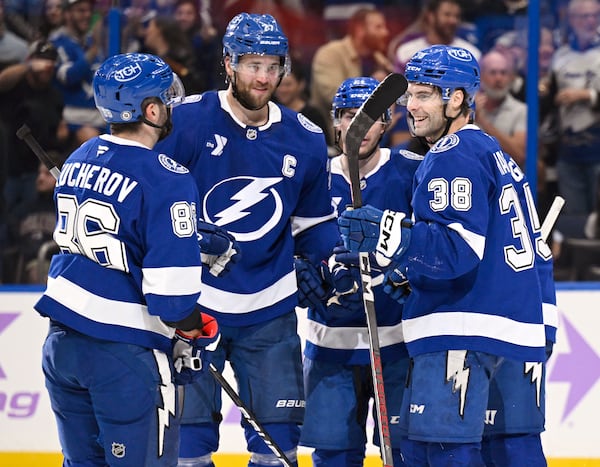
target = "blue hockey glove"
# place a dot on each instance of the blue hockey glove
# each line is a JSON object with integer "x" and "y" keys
{"x": 218, "y": 248}
{"x": 191, "y": 352}
{"x": 311, "y": 289}
{"x": 395, "y": 284}
{"x": 342, "y": 274}
{"x": 372, "y": 230}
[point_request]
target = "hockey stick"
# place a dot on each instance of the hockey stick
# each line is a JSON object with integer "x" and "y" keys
{"x": 384, "y": 95}
{"x": 551, "y": 217}
{"x": 249, "y": 416}
{"x": 25, "y": 134}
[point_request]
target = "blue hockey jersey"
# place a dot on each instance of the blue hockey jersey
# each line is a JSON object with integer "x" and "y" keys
{"x": 74, "y": 74}
{"x": 339, "y": 334}
{"x": 268, "y": 186}
{"x": 130, "y": 259}
{"x": 471, "y": 260}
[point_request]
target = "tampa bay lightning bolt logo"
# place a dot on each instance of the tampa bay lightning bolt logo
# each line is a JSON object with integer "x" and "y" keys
{"x": 248, "y": 207}
{"x": 446, "y": 143}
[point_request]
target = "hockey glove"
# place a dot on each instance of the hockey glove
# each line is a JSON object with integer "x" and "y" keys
{"x": 191, "y": 350}
{"x": 311, "y": 290}
{"x": 395, "y": 284}
{"x": 369, "y": 229}
{"x": 342, "y": 274}
{"x": 218, "y": 248}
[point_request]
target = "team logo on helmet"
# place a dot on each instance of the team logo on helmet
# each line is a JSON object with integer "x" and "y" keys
{"x": 128, "y": 73}
{"x": 460, "y": 54}
{"x": 126, "y": 115}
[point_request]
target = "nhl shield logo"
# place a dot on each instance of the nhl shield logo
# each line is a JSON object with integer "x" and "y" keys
{"x": 251, "y": 134}
{"x": 118, "y": 450}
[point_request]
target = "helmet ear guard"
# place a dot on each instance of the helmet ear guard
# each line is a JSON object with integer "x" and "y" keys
{"x": 123, "y": 82}
{"x": 256, "y": 34}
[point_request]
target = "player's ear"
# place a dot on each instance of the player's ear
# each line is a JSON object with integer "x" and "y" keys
{"x": 457, "y": 98}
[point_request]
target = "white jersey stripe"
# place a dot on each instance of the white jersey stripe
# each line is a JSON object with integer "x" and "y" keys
{"x": 104, "y": 310}
{"x": 351, "y": 338}
{"x": 235, "y": 303}
{"x": 462, "y": 323}
{"x": 172, "y": 281}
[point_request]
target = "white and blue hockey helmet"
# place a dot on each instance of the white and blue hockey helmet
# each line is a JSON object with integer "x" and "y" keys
{"x": 256, "y": 34}
{"x": 123, "y": 82}
{"x": 351, "y": 94}
{"x": 448, "y": 68}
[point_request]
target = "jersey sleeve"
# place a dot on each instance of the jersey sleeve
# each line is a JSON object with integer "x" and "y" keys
{"x": 171, "y": 266}
{"x": 313, "y": 223}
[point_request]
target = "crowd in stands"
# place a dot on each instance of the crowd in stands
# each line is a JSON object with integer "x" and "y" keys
{"x": 50, "y": 49}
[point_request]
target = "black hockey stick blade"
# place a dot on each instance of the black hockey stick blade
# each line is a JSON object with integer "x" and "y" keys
{"x": 249, "y": 416}
{"x": 24, "y": 134}
{"x": 385, "y": 94}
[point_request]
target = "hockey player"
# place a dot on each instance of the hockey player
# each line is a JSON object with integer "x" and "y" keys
{"x": 127, "y": 276}
{"x": 512, "y": 430}
{"x": 262, "y": 174}
{"x": 337, "y": 374}
{"x": 470, "y": 261}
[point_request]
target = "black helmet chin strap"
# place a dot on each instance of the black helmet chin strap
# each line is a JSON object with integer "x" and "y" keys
{"x": 449, "y": 121}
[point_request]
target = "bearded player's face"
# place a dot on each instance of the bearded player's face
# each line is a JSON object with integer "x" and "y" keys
{"x": 256, "y": 78}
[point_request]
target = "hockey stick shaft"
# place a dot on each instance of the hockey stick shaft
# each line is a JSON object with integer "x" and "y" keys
{"x": 386, "y": 93}
{"x": 24, "y": 133}
{"x": 551, "y": 217}
{"x": 249, "y": 416}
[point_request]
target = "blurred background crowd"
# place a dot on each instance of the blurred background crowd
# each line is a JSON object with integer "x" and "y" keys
{"x": 50, "y": 49}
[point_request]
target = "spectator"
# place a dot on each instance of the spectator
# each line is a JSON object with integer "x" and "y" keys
{"x": 575, "y": 85}
{"x": 441, "y": 20}
{"x": 24, "y": 17}
{"x": 360, "y": 53}
{"x": 293, "y": 94}
{"x": 204, "y": 39}
{"x": 52, "y": 18}
{"x": 165, "y": 38}
{"x": 80, "y": 54}
{"x": 498, "y": 112}
{"x": 37, "y": 226}
{"x": 27, "y": 96}
{"x": 515, "y": 43}
{"x": 13, "y": 49}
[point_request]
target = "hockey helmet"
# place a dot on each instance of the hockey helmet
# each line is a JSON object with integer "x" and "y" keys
{"x": 123, "y": 81}
{"x": 448, "y": 68}
{"x": 256, "y": 34}
{"x": 351, "y": 94}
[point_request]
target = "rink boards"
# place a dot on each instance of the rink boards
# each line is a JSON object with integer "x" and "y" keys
{"x": 573, "y": 394}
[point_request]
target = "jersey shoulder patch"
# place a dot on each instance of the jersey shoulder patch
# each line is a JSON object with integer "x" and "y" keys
{"x": 308, "y": 124}
{"x": 171, "y": 165}
{"x": 192, "y": 98}
{"x": 446, "y": 143}
{"x": 410, "y": 155}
